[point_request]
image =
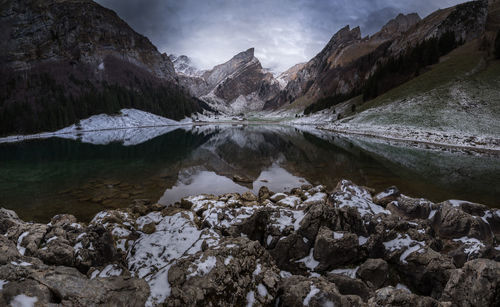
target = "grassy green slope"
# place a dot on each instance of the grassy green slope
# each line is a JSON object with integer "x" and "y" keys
{"x": 461, "y": 93}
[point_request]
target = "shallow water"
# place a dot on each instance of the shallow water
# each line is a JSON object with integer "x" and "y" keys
{"x": 41, "y": 178}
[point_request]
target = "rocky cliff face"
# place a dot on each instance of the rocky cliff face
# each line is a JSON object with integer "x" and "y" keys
{"x": 289, "y": 74}
{"x": 55, "y": 52}
{"x": 348, "y": 59}
{"x": 239, "y": 85}
{"x": 80, "y": 32}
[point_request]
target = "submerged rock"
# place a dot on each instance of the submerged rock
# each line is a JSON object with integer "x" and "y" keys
{"x": 302, "y": 248}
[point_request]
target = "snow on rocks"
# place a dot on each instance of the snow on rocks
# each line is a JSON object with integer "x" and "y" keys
{"x": 303, "y": 247}
{"x": 349, "y": 195}
{"x": 403, "y": 243}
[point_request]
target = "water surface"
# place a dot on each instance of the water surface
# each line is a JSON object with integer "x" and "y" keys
{"x": 82, "y": 176}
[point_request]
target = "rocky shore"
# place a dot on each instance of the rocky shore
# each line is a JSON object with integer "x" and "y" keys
{"x": 350, "y": 247}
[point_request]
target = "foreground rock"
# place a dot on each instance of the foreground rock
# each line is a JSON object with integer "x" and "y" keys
{"x": 352, "y": 247}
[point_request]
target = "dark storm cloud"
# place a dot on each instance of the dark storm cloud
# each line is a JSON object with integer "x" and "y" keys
{"x": 283, "y": 32}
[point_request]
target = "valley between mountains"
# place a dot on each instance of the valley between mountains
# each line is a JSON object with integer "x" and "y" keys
{"x": 432, "y": 80}
{"x": 131, "y": 177}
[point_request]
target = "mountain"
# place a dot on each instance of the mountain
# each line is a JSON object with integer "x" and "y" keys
{"x": 65, "y": 60}
{"x": 184, "y": 66}
{"x": 236, "y": 86}
{"x": 345, "y": 67}
{"x": 289, "y": 74}
{"x": 455, "y": 101}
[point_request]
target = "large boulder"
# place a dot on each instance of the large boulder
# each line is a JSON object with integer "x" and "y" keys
{"x": 452, "y": 222}
{"x": 476, "y": 284}
{"x": 393, "y": 297}
{"x": 316, "y": 291}
{"x": 334, "y": 249}
{"x": 350, "y": 286}
{"x": 237, "y": 272}
{"x": 375, "y": 272}
{"x": 67, "y": 286}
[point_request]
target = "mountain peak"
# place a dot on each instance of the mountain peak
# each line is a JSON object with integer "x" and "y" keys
{"x": 245, "y": 56}
{"x": 399, "y": 24}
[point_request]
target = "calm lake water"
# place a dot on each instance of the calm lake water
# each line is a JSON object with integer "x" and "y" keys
{"x": 41, "y": 178}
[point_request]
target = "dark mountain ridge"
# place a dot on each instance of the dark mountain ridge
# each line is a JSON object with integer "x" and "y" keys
{"x": 62, "y": 61}
{"x": 343, "y": 67}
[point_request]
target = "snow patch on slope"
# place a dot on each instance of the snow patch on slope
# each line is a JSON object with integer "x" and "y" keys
{"x": 127, "y": 118}
{"x": 126, "y": 127}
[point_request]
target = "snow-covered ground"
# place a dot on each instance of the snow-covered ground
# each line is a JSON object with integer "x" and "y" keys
{"x": 128, "y": 127}
{"x": 128, "y": 118}
{"x": 133, "y": 127}
{"x": 401, "y": 133}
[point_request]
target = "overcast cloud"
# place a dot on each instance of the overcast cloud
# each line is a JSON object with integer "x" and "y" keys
{"x": 283, "y": 32}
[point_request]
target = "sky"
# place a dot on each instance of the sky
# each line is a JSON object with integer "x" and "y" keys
{"x": 283, "y": 32}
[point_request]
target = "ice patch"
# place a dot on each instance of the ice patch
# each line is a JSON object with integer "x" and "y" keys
{"x": 109, "y": 271}
{"x": 3, "y": 283}
{"x": 346, "y": 272}
{"x": 285, "y": 274}
{"x": 403, "y": 287}
{"x": 204, "y": 267}
{"x": 311, "y": 294}
{"x": 120, "y": 232}
{"x": 250, "y": 298}
{"x": 456, "y": 203}
{"x": 309, "y": 261}
{"x": 262, "y": 290}
{"x": 473, "y": 245}
{"x": 384, "y": 194}
{"x": 290, "y": 201}
{"x": 431, "y": 215}
{"x": 404, "y": 242}
{"x": 159, "y": 287}
{"x": 362, "y": 240}
{"x": 228, "y": 260}
{"x": 338, "y": 235}
{"x": 284, "y": 218}
{"x": 487, "y": 215}
{"x": 20, "y": 248}
{"x": 78, "y": 246}
{"x": 258, "y": 269}
{"x": 318, "y": 198}
{"x": 22, "y": 263}
{"x": 329, "y": 304}
{"x": 353, "y": 196}
{"x": 269, "y": 240}
{"x": 23, "y": 301}
{"x": 80, "y": 236}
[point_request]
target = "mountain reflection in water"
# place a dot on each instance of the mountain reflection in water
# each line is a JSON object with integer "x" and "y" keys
{"x": 41, "y": 178}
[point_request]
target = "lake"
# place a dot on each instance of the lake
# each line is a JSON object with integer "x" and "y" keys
{"x": 110, "y": 169}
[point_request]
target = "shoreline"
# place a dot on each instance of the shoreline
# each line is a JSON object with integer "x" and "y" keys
{"x": 403, "y": 139}
{"x": 460, "y": 144}
{"x": 237, "y": 249}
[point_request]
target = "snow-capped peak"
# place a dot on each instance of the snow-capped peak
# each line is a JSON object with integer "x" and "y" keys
{"x": 184, "y": 66}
